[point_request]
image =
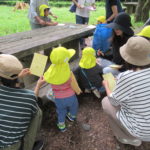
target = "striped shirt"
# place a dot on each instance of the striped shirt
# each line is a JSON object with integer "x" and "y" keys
{"x": 132, "y": 93}
{"x": 17, "y": 107}
{"x": 63, "y": 90}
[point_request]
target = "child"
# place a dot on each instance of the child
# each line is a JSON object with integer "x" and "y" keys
{"x": 59, "y": 76}
{"x": 102, "y": 36}
{"x": 44, "y": 12}
{"x": 145, "y": 32}
{"x": 89, "y": 74}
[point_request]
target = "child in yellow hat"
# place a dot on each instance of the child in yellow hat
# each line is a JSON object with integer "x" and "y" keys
{"x": 101, "y": 39}
{"x": 89, "y": 73}
{"x": 59, "y": 76}
{"x": 145, "y": 32}
{"x": 44, "y": 12}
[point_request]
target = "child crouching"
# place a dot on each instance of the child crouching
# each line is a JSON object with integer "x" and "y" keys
{"x": 89, "y": 73}
{"x": 59, "y": 76}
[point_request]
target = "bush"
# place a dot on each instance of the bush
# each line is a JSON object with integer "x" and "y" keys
{"x": 52, "y": 3}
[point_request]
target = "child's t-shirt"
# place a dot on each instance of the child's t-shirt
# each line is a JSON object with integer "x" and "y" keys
{"x": 63, "y": 90}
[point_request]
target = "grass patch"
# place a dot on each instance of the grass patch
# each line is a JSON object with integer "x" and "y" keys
{"x": 17, "y": 21}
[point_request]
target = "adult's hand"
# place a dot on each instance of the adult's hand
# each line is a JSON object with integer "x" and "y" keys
{"x": 24, "y": 72}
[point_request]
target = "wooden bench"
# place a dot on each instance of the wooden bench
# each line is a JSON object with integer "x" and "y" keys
{"x": 131, "y": 7}
{"x": 24, "y": 44}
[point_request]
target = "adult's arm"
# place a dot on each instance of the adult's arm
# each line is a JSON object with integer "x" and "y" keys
{"x": 34, "y": 13}
{"x": 114, "y": 13}
{"x": 76, "y": 3}
{"x": 113, "y": 5}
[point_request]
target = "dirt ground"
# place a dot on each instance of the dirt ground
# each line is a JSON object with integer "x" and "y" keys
{"x": 99, "y": 137}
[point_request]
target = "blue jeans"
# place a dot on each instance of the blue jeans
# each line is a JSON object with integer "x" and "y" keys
{"x": 81, "y": 20}
{"x": 66, "y": 105}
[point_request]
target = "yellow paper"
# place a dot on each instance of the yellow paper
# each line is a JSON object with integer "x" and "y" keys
{"x": 38, "y": 64}
{"x": 111, "y": 80}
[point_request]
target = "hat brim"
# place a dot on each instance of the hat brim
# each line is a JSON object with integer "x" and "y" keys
{"x": 132, "y": 60}
{"x": 71, "y": 52}
{"x": 114, "y": 26}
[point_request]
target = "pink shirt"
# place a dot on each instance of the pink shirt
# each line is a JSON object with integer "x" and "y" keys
{"x": 63, "y": 90}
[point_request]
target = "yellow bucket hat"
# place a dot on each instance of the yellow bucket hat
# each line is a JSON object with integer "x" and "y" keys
{"x": 42, "y": 8}
{"x": 88, "y": 59}
{"x": 59, "y": 71}
{"x": 101, "y": 19}
{"x": 145, "y": 32}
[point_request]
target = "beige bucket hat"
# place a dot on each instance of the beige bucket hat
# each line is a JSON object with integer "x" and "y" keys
{"x": 136, "y": 51}
{"x": 9, "y": 66}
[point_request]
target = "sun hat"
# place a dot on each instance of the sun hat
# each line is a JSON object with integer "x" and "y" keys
{"x": 42, "y": 8}
{"x": 101, "y": 19}
{"x": 9, "y": 66}
{"x": 136, "y": 51}
{"x": 59, "y": 71}
{"x": 145, "y": 32}
{"x": 122, "y": 22}
{"x": 88, "y": 59}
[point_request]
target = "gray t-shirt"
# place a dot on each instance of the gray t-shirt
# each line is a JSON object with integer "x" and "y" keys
{"x": 84, "y": 12}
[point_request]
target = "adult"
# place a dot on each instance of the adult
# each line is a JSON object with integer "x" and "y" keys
{"x": 128, "y": 106}
{"x": 83, "y": 10}
{"x": 113, "y": 7}
{"x": 83, "y": 13}
{"x": 34, "y": 14}
{"x": 122, "y": 31}
{"x": 20, "y": 117}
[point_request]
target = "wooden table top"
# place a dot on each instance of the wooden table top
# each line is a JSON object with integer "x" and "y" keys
{"x": 26, "y": 43}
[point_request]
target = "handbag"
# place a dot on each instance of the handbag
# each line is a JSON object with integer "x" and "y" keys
{"x": 73, "y": 8}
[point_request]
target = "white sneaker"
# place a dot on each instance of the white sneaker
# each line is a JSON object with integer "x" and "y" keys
{"x": 135, "y": 142}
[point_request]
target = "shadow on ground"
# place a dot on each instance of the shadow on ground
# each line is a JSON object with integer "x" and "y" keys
{"x": 99, "y": 137}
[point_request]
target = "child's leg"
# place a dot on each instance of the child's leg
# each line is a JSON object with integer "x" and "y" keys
{"x": 73, "y": 106}
{"x": 61, "y": 110}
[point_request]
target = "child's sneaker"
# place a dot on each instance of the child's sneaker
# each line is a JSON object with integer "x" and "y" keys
{"x": 70, "y": 118}
{"x": 96, "y": 93}
{"x": 61, "y": 127}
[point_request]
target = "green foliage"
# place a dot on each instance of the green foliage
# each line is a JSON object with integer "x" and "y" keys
{"x": 17, "y": 21}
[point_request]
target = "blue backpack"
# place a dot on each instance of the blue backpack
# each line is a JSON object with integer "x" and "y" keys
{"x": 101, "y": 38}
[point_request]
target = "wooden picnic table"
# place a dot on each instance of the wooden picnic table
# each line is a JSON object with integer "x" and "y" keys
{"x": 26, "y": 43}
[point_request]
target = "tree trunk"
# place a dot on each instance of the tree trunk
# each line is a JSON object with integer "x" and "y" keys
{"x": 139, "y": 10}
{"x": 145, "y": 11}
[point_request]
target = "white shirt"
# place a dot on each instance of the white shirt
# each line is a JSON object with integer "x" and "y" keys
{"x": 84, "y": 12}
{"x": 34, "y": 9}
{"x": 132, "y": 93}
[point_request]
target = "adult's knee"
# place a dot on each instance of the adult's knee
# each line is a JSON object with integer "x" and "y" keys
{"x": 104, "y": 104}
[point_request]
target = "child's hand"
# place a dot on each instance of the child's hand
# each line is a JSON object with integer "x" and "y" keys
{"x": 55, "y": 23}
{"x": 99, "y": 53}
{"x": 55, "y": 16}
{"x": 24, "y": 72}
